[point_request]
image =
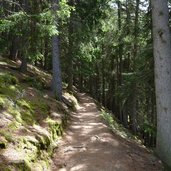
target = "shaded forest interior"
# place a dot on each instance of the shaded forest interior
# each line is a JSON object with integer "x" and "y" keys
{"x": 102, "y": 47}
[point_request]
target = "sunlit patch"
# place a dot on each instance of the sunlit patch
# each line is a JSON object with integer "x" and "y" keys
{"x": 11, "y": 155}
{"x": 82, "y": 127}
{"x": 90, "y": 104}
{"x": 77, "y": 167}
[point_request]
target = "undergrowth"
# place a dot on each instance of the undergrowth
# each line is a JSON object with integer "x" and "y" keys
{"x": 116, "y": 127}
{"x": 27, "y": 125}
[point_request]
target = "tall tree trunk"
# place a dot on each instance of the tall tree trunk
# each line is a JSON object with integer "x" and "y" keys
{"x": 103, "y": 83}
{"x": 23, "y": 67}
{"x": 14, "y": 48}
{"x": 135, "y": 51}
{"x": 46, "y": 66}
{"x": 70, "y": 51}
{"x": 162, "y": 56}
{"x": 120, "y": 51}
{"x": 56, "y": 80}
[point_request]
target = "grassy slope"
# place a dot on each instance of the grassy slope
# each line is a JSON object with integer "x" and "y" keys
{"x": 31, "y": 120}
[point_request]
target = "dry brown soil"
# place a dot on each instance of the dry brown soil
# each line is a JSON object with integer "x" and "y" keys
{"x": 89, "y": 145}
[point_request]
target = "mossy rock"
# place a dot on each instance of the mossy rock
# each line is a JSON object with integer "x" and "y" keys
{"x": 28, "y": 117}
{"x": 44, "y": 142}
{"x": 3, "y": 143}
{"x": 70, "y": 101}
{"x": 56, "y": 128}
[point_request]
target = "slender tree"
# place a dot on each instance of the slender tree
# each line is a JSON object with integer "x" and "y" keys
{"x": 57, "y": 80}
{"x": 70, "y": 49}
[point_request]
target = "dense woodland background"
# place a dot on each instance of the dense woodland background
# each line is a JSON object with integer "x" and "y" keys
{"x": 104, "y": 46}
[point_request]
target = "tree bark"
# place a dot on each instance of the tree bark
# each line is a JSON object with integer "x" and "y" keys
{"x": 14, "y": 49}
{"x": 23, "y": 67}
{"x": 56, "y": 80}
{"x": 135, "y": 51}
{"x": 162, "y": 55}
{"x": 70, "y": 50}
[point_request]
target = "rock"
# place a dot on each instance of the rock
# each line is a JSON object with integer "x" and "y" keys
{"x": 11, "y": 155}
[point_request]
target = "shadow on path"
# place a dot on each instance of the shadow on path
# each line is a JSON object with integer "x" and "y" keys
{"x": 89, "y": 145}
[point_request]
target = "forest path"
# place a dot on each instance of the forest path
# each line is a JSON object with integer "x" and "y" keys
{"x": 89, "y": 145}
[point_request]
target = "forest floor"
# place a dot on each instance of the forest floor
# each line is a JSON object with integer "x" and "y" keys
{"x": 89, "y": 145}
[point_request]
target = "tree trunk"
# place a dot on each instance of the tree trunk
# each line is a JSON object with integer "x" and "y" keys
{"x": 120, "y": 52}
{"x": 14, "y": 49}
{"x": 56, "y": 80}
{"x": 162, "y": 55}
{"x": 46, "y": 63}
{"x": 23, "y": 67}
{"x": 135, "y": 51}
{"x": 70, "y": 51}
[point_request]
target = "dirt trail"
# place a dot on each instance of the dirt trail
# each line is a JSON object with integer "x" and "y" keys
{"x": 89, "y": 145}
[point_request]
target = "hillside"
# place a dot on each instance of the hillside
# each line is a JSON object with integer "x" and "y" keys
{"x": 31, "y": 120}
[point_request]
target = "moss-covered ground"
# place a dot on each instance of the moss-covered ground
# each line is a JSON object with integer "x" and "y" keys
{"x": 31, "y": 120}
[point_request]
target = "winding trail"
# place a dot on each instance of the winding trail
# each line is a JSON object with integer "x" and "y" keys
{"x": 89, "y": 145}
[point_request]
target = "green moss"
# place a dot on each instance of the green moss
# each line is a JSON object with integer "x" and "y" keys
{"x": 9, "y": 91}
{"x": 25, "y": 166}
{"x": 8, "y": 79}
{"x": 15, "y": 113}
{"x": 24, "y": 104}
{"x": 14, "y": 125}
{"x": 2, "y": 103}
{"x": 28, "y": 117}
{"x": 6, "y": 167}
{"x": 7, "y": 135}
{"x": 37, "y": 147}
{"x": 23, "y": 112}
{"x": 41, "y": 106}
{"x": 9, "y": 86}
{"x": 34, "y": 82}
{"x": 55, "y": 129}
{"x": 44, "y": 142}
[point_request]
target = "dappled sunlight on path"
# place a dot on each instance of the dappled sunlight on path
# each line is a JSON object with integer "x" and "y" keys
{"x": 89, "y": 145}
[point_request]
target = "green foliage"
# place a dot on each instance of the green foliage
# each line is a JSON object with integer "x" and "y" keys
{"x": 149, "y": 127}
{"x": 65, "y": 10}
{"x": 12, "y": 23}
{"x": 36, "y": 82}
{"x": 115, "y": 126}
{"x": 7, "y": 79}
